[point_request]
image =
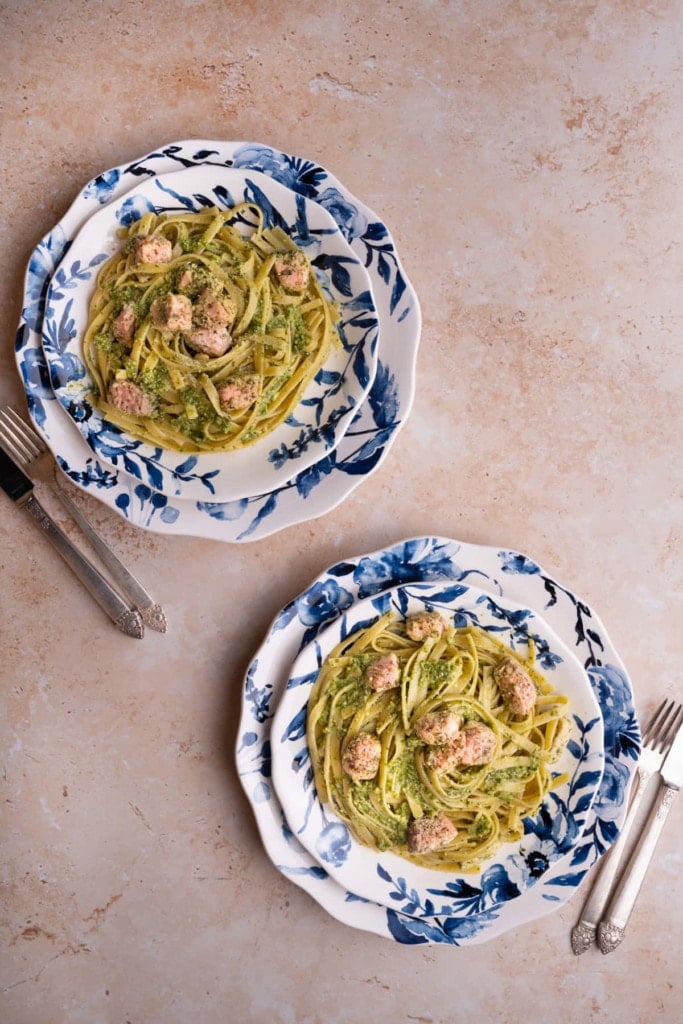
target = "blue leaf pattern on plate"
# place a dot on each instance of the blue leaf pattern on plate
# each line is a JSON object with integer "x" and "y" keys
{"x": 486, "y": 907}
{"x": 423, "y": 558}
{"x": 375, "y": 423}
{"x": 358, "y": 332}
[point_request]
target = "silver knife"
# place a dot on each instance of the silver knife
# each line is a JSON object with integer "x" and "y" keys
{"x": 19, "y": 488}
{"x": 152, "y": 614}
{"x": 612, "y": 928}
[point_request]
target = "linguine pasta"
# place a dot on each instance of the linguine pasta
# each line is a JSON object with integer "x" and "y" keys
{"x": 199, "y": 340}
{"x": 450, "y": 678}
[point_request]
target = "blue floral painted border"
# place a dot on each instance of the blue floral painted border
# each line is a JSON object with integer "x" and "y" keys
{"x": 317, "y": 489}
{"x": 493, "y": 906}
{"x": 549, "y": 835}
{"x": 325, "y": 411}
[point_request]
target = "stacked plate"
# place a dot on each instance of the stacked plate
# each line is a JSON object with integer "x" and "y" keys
{"x": 498, "y": 590}
{"x": 343, "y": 427}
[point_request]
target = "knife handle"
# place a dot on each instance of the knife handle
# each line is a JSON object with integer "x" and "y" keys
{"x": 123, "y": 617}
{"x": 584, "y": 932}
{"x": 612, "y": 928}
{"x": 152, "y": 614}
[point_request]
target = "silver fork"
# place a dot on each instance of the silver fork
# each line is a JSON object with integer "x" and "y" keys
{"x": 657, "y": 738}
{"x": 38, "y": 462}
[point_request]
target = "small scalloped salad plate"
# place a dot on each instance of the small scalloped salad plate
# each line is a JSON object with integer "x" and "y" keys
{"x": 328, "y": 406}
{"x": 549, "y": 835}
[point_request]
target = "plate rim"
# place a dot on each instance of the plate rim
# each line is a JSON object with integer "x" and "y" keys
{"x": 365, "y": 915}
{"x": 283, "y": 752}
{"x": 300, "y": 501}
{"x": 191, "y": 483}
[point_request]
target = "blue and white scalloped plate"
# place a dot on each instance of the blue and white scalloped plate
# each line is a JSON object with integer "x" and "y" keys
{"x": 494, "y": 904}
{"x": 549, "y": 836}
{"x": 314, "y": 429}
{"x": 132, "y": 489}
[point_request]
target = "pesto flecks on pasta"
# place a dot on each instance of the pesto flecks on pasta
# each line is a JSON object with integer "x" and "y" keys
{"x": 202, "y": 338}
{"x": 433, "y": 742}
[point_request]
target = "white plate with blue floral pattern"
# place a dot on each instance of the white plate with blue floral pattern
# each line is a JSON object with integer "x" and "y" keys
{"x": 330, "y": 403}
{"x": 496, "y": 905}
{"x": 373, "y": 875}
{"x": 311, "y": 493}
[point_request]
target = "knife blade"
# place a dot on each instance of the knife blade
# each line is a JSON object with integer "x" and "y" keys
{"x": 612, "y": 928}
{"x": 19, "y": 488}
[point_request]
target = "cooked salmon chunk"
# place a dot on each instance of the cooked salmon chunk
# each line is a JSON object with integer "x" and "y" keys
{"x": 428, "y": 834}
{"x": 444, "y": 757}
{"x": 215, "y": 341}
{"x": 208, "y": 311}
{"x": 171, "y": 312}
{"x": 185, "y": 279}
{"x": 384, "y": 673}
{"x": 239, "y": 392}
{"x": 361, "y": 758}
{"x": 478, "y": 744}
{"x": 516, "y": 686}
{"x": 124, "y": 323}
{"x": 420, "y": 625}
{"x": 152, "y": 249}
{"x": 129, "y": 398}
{"x": 292, "y": 270}
{"x": 438, "y": 726}
{"x": 473, "y": 745}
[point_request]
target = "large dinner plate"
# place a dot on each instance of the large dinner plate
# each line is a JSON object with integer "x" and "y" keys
{"x": 315, "y": 427}
{"x": 374, "y": 875}
{"x": 367, "y": 440}
{"x": 492, "y": 908}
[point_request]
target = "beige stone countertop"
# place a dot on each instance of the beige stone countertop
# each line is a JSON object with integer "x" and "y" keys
{"x": 526, "y": 157}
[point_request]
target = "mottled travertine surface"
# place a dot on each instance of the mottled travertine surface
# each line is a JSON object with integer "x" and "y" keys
{"x": 526, "y": 157}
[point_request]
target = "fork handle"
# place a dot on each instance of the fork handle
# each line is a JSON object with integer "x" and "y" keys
{"x": 612, "y": 928}
{"x": 123, "y": 617}
{"x": 584, "y": 931}
{"x": 152, "y": 613}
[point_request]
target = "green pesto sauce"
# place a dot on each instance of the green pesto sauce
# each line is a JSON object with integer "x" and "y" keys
{"x": 394, "y": 828}
{"x": 480, "y": 827}
{"x": 275, "y": 323}
{"x": 129, "y": 295}
{"x": 155, "y": 381}
{"x": 300, "y": 335}
{"x": 499, "y": 776}
{"x": 354, "y": 697}
{"x": 403, "y": 773}
{"x": 271, "y": 391}
{"x": 122, "y": 295}
{"x": 433, "y": 673}
{"x": 195, "y": 427}
{"x": 188, "y": 244}
{"x": 107, "y": 343}
{"x": 201, "y": 279}
{"x": 291, "y": 319}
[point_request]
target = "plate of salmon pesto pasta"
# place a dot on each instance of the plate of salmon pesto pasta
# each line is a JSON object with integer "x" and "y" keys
{"x": 425, "y": 733}
{"x": 221, "y": 324}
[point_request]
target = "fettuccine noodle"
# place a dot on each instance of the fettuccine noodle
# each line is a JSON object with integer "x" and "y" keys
{"x": 200, "y": 338}
{"x": 445, "y": 679}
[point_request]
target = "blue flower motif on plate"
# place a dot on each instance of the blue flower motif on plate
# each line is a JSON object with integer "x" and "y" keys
{"x": 324, "y": 413}
{"x": 491, "y": 906}
{"x": 375, "y": 422}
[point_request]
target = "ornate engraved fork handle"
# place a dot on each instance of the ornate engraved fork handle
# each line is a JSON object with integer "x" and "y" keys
{"x": 123, "y": 617}
{"x": 612, "y": 929}
{"x": 584, "y": 932}
{"x": 152, "y": 614}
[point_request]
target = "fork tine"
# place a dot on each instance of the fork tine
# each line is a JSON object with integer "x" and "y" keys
{"x": 654, "y": 723}
{"x": 672, "y": 729}
{"x": 12, "y": 446}
{"x": 28, "y": 434}
{"x": 663, "y": 726}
